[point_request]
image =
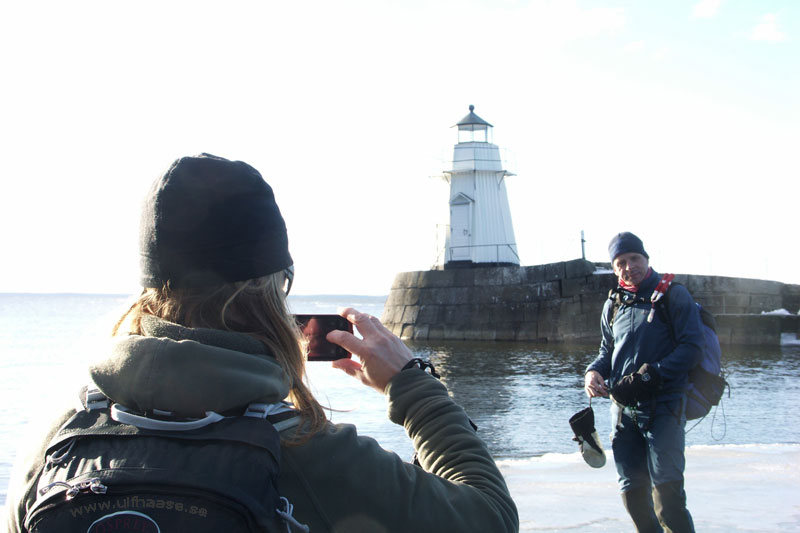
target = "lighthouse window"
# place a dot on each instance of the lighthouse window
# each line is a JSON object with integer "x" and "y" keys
{"x": 472, "y": 133}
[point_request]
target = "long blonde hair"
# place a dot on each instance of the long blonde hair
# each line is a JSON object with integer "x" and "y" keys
{"x": 256, "y": 307}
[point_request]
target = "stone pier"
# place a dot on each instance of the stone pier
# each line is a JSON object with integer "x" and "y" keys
{"x": 561, "y": 302}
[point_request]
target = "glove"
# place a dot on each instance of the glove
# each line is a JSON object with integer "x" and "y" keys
{"x": 582, "y": 424}
{"x": 634, "y": 387}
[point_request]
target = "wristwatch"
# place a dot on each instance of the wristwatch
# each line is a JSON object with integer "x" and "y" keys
{"x": 423, "y": 365}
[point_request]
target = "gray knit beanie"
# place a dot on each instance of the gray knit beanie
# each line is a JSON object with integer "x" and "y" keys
{"x": 209, "y": 221}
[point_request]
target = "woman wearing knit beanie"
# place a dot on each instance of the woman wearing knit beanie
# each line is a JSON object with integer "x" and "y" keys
{"x": 210, "y": 342}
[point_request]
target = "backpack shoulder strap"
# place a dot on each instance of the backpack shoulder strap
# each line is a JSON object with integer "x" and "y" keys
{"x": 616, "y": 302}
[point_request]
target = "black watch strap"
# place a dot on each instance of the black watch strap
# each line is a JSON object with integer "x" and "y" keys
{"x": 423, "y": 365}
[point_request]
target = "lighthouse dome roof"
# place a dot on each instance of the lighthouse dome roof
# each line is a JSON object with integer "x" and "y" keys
{"x": 472, "y": 119}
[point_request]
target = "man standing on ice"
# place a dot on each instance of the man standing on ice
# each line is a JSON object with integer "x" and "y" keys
{"x": 646, "y": 357}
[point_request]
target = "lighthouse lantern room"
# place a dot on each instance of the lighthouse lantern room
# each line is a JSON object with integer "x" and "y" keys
{"x": 480, "y": 232}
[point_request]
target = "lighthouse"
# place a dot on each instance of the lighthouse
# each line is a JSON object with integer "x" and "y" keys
{"x": 480, "y": 231}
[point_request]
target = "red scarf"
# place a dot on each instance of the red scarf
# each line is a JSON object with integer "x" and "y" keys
{"x": 635, "y": 288}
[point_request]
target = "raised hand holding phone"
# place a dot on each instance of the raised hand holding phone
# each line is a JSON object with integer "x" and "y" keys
{"x": 381, "y": 353}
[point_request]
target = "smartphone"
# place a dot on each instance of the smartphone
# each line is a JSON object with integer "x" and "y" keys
{"x": 315, "y": 328}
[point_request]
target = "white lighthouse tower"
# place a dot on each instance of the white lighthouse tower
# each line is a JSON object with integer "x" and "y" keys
{"x": 480, "y": 232}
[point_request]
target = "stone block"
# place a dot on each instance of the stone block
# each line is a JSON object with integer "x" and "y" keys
{"x": 454, "y": 315}
{"x": 528, "y": 292}
{"x": 505, "y": 332}
{"x": 481, "y": 314}
{"x": 789, "y": 323}
{"x": 578, "y": 268}
{"x": 411, "y": 296}
{"x": 428, "y": 314}
{"x": 488, "y": 276}
{"x": 512, "y": 275}
{"x": 592, "y": 325}
{"x": 512, "y": 293}
{"x": 392, "y": 314}
{"x": 547, "y": 290}
{"x": 406, "y": 280}
{"x": 394, "y": 296}
{"x": 548, "y": 272}
{"x": 549, "y": 315}
{"x": 593, "y": 304}
{"x": 438, "y": 278}
{"x": 555, "y": 271}
{"x": 530, "y": 312}
{"x": 527, "y": 331}
{"x": 402, "y": 297}
{"x": 764, "y": 302}
{"x": 575, "y": 286}
{"x": 749, "y": 329}
{"x": 475, "y": 333}
{"x": 773, "y": 288}
{"x": 420, "y": 332}
{"x": 396, "y": 329}
{"x": 790, "y": 298}
{"x": 398, "y": 314}
{"x": 464, "y": 277}
{"x": 504, "y": 313}
{"x": 487, "y": 294}
{"x": 449, "y": 296}
{"x": 410, "y": 314}
{"x": 407, "y": 332}
{"x": 533, "y": 274}
{"x": 569, "y": 306}
{"x": 489, "y": 333}
{"x": 735, "y": 303}
{"x": 723, "y": 284}
{"x": 714, "y": 303}
{"x": 428, "y": 296}
{"x": 436, "y": 332}
{"x": 453, "y": 334}
{"x": 601, "y": 282}
{"x": 548, "y": 332}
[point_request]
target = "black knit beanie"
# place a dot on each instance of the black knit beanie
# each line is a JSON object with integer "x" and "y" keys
{"x": 624, "y": 243}
{"x": 209, "y": 221}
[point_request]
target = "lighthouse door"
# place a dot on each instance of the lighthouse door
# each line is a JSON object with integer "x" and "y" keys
{"x": 460, "y": 234}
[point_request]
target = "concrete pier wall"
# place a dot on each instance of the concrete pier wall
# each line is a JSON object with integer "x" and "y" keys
{"x": 561, "y": 302}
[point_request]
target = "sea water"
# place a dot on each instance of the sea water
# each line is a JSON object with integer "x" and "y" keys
{"x": 519, "y": 395}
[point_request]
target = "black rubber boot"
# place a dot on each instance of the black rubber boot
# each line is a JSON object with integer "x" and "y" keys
{"x": 639, "y": 504}
{"x": 582, "y": 424}
{"x": 670, "y": 505}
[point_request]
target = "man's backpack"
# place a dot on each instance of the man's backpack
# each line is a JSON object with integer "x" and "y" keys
{"x": 107, "y": 469}
{"x": 706, "y": 379}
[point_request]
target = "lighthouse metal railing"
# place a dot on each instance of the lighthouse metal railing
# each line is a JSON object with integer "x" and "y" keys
{"x": 498, "y": 248}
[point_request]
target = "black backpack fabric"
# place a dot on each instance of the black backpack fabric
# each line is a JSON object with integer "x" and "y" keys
{"x": 101, "y": 475}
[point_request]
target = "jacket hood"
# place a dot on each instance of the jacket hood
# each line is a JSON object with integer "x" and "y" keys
{"x": 189, "y": 371}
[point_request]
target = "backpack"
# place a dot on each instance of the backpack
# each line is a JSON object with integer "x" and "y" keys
{"x": 707, "y": 378}
{"x": 108, "y": 469}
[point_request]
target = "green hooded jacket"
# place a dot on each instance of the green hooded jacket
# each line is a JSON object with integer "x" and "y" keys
{"x": 338, "y": 481}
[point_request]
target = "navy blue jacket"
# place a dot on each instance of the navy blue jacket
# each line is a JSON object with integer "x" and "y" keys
{"x": 632, "y": 341}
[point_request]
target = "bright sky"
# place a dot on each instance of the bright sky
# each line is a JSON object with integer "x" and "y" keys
{"x": 676, "y": 120}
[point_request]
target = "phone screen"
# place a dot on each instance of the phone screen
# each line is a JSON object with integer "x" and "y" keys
{"x": 315, "y": 328}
